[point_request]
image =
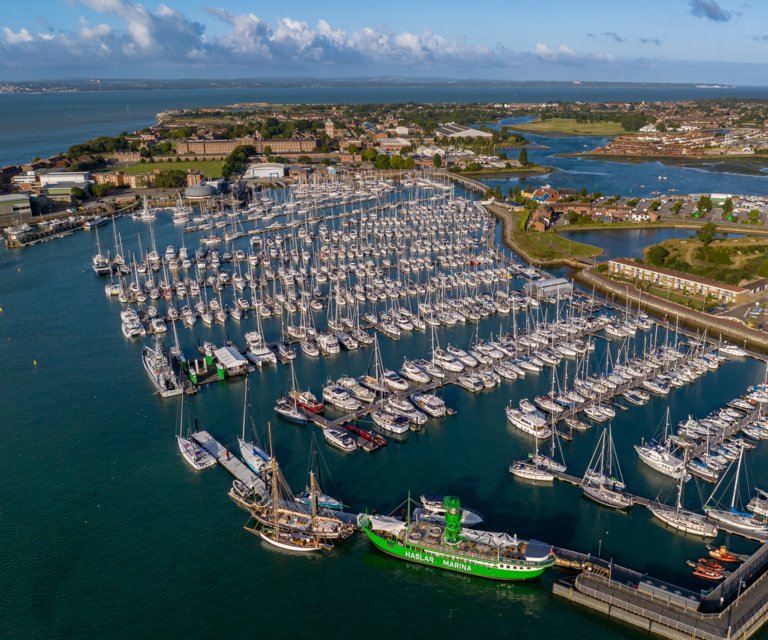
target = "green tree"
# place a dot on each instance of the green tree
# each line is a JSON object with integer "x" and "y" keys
{"x": 704, "y": 204}
{"x": 170, "y": 179}
{"x": 754, "y": 216}
{"x": 656, "y": 255}
{"x": 381, "y": 162}
{"x": 304, "y": 159}
{"x": 677, "y": 206}
{"x": 706, "y": 234}
{"x": 267, "y": 150}
{"x": 100, "y": 190}
{"x": 353, "y": 148}
{"x": 437, "y": 160}
{"x": 727, "y": 208}
{"x": 78, "y": 194}
{"x": 523, "y": 158}
{"x": 369, "y": 155}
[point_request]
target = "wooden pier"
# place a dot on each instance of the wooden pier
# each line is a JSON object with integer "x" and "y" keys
{"x": 231, "y": 463}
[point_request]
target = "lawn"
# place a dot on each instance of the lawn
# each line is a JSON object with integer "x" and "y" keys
{"x": 543, "y": 246}
{"x": 211, "y": 169}
{"x": 572, "y": 127}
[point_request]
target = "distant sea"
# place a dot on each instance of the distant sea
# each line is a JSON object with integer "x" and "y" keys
{"x": 47, "y": 123}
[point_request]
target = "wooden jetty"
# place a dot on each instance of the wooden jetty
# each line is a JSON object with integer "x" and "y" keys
{"x": 231, "y": 463}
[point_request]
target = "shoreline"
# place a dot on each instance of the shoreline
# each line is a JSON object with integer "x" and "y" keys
{"x": 490, "y": 173}
{"x": 693, "y": 161}
{"x": 506, "y": 217}
{"x": 737, "y": 333}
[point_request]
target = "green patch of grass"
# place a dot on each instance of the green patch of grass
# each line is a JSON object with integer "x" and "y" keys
{"x": 572, "y": 127}
{"x": 531, "y": 168}
{"x": 547, "y": 245}
{"x": 211, "y": 169}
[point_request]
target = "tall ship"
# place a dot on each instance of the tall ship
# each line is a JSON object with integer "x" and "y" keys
{"x": 160, "y": 371}
{"x": 449, "y": 546}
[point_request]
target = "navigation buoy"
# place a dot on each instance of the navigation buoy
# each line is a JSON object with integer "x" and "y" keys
{"x": 34, "y": 363}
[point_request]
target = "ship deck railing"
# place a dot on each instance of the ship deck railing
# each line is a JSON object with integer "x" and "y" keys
{"x": 455, "y": 551}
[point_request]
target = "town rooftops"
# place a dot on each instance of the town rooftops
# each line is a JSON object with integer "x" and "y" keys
{"x": 452, "y": 129}
{"x": 679, "y": 274}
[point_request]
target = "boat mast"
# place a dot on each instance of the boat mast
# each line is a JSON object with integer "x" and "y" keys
{"x": 274, "y": 482}
{"x": 245, "y": 405}
{"x": 736, "y": 480}
{"x": 313, "y": 498}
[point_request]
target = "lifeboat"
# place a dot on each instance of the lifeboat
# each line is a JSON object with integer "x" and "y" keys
{"x": 722, "y": 555}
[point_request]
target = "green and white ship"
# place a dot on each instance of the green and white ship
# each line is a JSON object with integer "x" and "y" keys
{"x": 498, "y": 556}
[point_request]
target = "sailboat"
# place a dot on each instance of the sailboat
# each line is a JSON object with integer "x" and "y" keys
{"x": 288, "y": 408}
{"x": 599, "y": 483}
{"x": 286, "y": 524}
{"x": 322, "y": 501}
{"x": 682, "y": 519}
{"x": 659, "y": 457}
{"x": 550, "y": 461}
{"x": 732, "y": 516}
{"x": 255, "y": 457}
{"x": 197, "y": 457}
{"x": 285, "y": 538}
{"x": 100, "y": 263}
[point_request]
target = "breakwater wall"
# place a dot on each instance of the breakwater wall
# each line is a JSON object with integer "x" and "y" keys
{"x": 715, "y": 327}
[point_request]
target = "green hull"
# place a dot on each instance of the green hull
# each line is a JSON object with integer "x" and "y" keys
{"x": 504, "y": 570}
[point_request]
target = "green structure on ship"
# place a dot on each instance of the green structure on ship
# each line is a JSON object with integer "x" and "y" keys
{"x": 446, "y": 545}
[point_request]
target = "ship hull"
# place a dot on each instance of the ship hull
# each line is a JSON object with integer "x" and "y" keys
{"x": 459, "y": 564}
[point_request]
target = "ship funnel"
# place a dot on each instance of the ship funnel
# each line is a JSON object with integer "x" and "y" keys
{"x": 452, "y": 507}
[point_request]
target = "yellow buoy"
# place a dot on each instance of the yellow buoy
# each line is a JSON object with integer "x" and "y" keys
{"x": 34, "y": 363}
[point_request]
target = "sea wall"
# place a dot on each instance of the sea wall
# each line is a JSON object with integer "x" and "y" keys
{"x": 715, "y": 327}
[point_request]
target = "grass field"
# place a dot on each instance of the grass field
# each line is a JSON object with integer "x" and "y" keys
{"x": 542, "y": 247}
{"x": 211, "y": 169}
{"x": 531, "y": 168}
{"x": 572, "y": 127}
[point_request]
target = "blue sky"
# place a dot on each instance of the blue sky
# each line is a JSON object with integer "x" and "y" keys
{"x": 619, "y": 40}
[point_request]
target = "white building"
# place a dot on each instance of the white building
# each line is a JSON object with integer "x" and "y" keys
{"x": 55, "y": 178}
{"x": 453, "y": 130}
{"x": 268, "y": 170}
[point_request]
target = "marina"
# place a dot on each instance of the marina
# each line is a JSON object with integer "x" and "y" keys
{"x": 484, "y": 343}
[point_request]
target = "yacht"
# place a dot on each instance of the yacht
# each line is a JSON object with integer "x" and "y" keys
{"x": 429, "y": 404}
{"x": 531, "y": 471}
{"x": 395, "y": 382}
{"x": 389, "y": 422}
{"x": 289, "y": 410}
{"x": 160, "y": 372}
{"x": 339, "y": 397}
{"x": 339, "y": 439}
{"x": 433, "y": 507}
{"x": 411, "y": 372}
{"x": 661, "y": 459}
{"x": 197, "y": 457}
{"x": 528, "y": 423}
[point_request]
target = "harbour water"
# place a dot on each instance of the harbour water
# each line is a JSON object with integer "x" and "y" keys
{"x": 107, "y": 532}
{"x": 631, "y": 179}
{"x": 630, "y": 242}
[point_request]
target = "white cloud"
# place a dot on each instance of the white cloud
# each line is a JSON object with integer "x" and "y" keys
{"x": 166, "y": 37}
{"x": 565, "y": 54}
{"x": 14, "y": 37}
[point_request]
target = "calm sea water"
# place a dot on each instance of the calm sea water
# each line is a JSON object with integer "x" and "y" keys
{"x": 629, "y": 243}
{"x": 41, "y": 125}
{"x": 632, "y": 179}
{"x": 107, "y": 533}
